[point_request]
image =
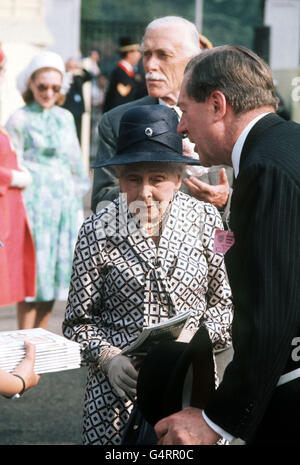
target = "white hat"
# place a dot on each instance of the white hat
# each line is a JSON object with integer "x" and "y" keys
{"x": 45, "y": 59}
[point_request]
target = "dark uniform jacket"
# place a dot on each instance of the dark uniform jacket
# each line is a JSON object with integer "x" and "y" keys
{"x": 122, "y": 88}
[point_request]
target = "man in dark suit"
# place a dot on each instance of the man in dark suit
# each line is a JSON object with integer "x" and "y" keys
{"x": 229, "y": 103}
{"x": 168, "y": 44}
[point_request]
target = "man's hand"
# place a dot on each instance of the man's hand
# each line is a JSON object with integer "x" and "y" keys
{"x": 186, "y": 427}
{"x": 217, "y": 195}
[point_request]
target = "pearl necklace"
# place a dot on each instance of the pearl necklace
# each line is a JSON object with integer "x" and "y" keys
{"x": 164, "y": 216}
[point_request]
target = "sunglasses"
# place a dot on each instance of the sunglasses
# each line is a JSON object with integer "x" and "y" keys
{"x": 42, "y": 88}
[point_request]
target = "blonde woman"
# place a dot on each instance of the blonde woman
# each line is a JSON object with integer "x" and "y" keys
{"x": 44, "y": 137}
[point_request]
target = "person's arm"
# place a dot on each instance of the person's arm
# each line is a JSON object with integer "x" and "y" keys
{"x": 217, "y": 194}
{"x": 211, "y": 191}
{"x": 105, "y": 183}
{"x": 186, "y": 427}
{"x": 83, "y": 322}
{"x": 86, "y": 75}
{"x": 80, "y": 176}
{"x": 23, "y": 377}
{"x": 222, "y": 433}
{"x": 20, "y": 177}
{"x": 189, "y": 426}
{"x": 5, "y": 180}
{"x": 15, "y": 127}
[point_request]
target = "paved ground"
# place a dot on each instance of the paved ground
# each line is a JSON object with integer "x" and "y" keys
{"x": 50, "y": 413}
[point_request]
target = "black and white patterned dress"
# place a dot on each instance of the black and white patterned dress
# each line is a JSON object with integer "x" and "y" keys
{"x": 122, "y": 282}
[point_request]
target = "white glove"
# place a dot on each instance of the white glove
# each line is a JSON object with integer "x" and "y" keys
{"x": 20, "y": 179}
{"x": 122, "y": 375}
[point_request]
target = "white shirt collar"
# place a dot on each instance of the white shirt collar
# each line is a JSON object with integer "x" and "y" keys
{"x": 238, "y": 146}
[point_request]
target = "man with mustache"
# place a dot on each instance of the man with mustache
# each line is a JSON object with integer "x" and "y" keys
{"x": 168, "y": 45}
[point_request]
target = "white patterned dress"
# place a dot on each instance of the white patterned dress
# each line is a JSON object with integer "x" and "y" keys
{"x": 122, "y": 282}
{"x": 46, "y": 144}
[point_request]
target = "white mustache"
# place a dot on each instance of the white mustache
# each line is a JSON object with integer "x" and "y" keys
{"x": 155, "y": 76}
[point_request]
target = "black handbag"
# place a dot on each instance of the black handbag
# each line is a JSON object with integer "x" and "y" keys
{"x": 138, "y": 431}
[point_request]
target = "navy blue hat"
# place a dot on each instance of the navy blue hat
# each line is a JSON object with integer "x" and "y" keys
{"x": 149, "y": 134}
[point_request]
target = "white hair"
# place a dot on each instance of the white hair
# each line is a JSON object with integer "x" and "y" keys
{"x": 192, "y": 44}
{"x": 167, "y": 167}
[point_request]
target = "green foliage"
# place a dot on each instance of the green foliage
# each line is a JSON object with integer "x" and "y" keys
{"x": 224, "y": 21}
{"x": 135, "y": 10}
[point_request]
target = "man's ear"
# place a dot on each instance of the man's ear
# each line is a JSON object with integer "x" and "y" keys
{"x": 218, "y": 103}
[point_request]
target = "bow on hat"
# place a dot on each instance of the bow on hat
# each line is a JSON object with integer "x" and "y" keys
{"x": 158, "y": 131}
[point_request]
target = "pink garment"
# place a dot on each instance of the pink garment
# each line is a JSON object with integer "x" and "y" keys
{"x": 17, "y": 252}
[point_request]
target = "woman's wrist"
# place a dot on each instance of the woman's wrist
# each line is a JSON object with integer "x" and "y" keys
{"x": 12, "y": 385}
{"x": 23, "y": 388}
{"x": 105, "y": 357}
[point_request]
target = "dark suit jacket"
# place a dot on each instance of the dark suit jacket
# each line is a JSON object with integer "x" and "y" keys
{"x": 264, "y": 273}
{"x": 74, "y": 99}
{"x": 105, "y": 185}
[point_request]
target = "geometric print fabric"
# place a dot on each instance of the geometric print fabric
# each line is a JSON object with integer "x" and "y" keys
{"x": 121, "y": 282}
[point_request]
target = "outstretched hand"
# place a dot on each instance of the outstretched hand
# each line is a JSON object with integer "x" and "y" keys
{"x": 217, "y": 194}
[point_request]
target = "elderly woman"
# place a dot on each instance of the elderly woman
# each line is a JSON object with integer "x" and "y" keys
{"x": 45, "y": 140}
{"x": 144, "y": 258}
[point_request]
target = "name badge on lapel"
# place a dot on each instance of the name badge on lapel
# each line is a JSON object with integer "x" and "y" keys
{"x": 223, "y": 241}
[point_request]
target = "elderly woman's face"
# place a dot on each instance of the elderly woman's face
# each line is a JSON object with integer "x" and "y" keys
{"x": 149, "y": 189}
{"x": 45, "y": 86}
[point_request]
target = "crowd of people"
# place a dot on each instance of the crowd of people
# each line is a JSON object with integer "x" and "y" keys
{"x": 195, "y": 203}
